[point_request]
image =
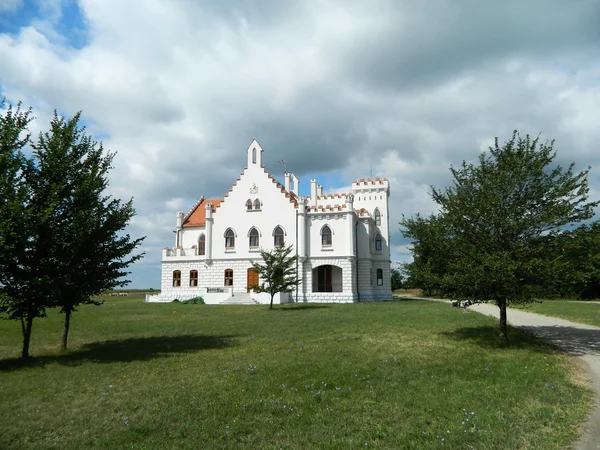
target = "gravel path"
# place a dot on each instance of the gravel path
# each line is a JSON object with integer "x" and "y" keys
{"x": 577, "y": 339}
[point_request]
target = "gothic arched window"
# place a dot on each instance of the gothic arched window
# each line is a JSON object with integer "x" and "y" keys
{"x": 229, "y": 238}
{"x": 202, "y": 245}
{"x": 249, "y": 205}
{"x": 278, "y": 237}
{"x": 377, "y": 217}
{"x": 257, "y": 204}
{"x": 326, "y": 235}
{"x": 378, "y": 246}
{"x": 254, "y": 237}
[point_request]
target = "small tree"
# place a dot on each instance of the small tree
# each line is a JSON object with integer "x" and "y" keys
{"x": 85, "y": 239}
{"x": 277, "y": 272}
{"x": 501, "y": 218}
{"x": 18, "y": 222}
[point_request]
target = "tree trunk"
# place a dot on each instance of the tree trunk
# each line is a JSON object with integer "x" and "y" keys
{"x": 65, "y": 335}
{"x": 27, "y": 332}
{"x": 272, "y": 295}
{"x": 503, "y": 324}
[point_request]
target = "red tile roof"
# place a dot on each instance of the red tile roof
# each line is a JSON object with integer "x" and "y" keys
{"x": 198, "y": 217}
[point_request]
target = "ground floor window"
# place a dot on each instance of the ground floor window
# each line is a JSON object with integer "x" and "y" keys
{"x": 228, "y": 277}
{"x": 176, "y": 278}
{"x": 379, "y": 277}
{"x": 193, "y": 278}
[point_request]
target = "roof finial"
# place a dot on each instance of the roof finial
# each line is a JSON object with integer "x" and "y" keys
{"x": 284, "y": 165}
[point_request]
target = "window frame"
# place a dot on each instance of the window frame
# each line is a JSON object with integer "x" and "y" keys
{"x": 202, "y": 245}
{"x": 326, "y": 237}
{"x": 177, "y": 278}
{"x": 228, "y": 278}
{"x": 379, "y": 277}
{"x": 253, "y": 234}
{"x": 377, "y": 217}
{"x": 257, "y": 205}
{"x": 249, "y": 205}
{"x": 280, "y": 235}
{"x": 193, "y": 278}
{"x": 378, "y": 243}
{"x": 229, "y": 239}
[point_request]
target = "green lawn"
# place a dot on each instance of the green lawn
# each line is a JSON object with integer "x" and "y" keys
{"x": 577, "y": 311}
{"x": 402, "y": 374}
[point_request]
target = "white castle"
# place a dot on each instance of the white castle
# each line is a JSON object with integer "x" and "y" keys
{"x": 342, "y": 241}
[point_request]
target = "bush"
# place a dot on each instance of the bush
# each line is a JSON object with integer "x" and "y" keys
{"x": 194, "y": 301}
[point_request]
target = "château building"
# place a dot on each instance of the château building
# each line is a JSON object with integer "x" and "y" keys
{"x": 342, "y": 241}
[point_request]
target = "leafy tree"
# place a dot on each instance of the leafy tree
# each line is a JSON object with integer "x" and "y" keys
{"x": 397, "y": 279}
{"x": 18, "y": 221}
{"x": 278, "y": 271}
{"x": 432, "y": 250}
{"x": 61, "y": 235}
{"x": 501, "y": 216}
{"x": 85, "y": 238}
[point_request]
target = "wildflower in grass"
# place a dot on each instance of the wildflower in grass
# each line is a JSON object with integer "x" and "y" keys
{"x": 337, "y": 388}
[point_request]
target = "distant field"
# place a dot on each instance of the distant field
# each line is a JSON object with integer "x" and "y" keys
{"x": 404, "y": 374}
{"x": 577, "y": 311}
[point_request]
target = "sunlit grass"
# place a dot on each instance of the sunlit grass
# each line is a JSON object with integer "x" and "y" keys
{"x": 403, "y": 374}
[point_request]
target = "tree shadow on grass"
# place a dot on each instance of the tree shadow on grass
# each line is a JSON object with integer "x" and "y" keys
{"x": 488, "y": 336}
{"x": 575, "y": 341}
{"x": 124, "y": 350}
{"x": 301, "y": 307}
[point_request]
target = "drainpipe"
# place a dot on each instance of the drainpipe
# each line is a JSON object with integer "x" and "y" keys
{"x": 356, "y": 254}
{"x": 296, "y": 256}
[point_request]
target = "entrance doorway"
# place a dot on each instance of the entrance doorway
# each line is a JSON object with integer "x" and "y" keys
{"x": 252, "y": 279}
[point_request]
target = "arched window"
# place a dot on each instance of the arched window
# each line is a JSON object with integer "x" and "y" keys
{"x": 248, "y": 205}
{"x": 254, "y": 237}
{"x": 176, "y": 278}
{"x": 326, "y": 235}
{"x": 228, "y": 277}
{"x": 202, "y": 245}
{"x": 378, "y": 246}
{"x": 257, "y": 204}
{"x": 379, "y": 277}
{"x": 193, "y": 278}
{"x": 254, "y": 156}
{"x": 377, "y": 217}
{"x": 229, "y": 238}
{"x": 278, "y": 237}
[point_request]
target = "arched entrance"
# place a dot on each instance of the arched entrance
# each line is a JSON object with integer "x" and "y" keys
{"x": 327, "y": 278}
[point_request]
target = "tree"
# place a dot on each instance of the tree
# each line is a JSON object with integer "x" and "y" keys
{"x": 84, "y": 239}
{"x": 278, "y": 271}
{"x": 502, "y": 216}
{"x": 432, "y": 250}
{"x": 61, "y": 235}
{"x": 18, "y": 221}
{"x": 396, "y": 279}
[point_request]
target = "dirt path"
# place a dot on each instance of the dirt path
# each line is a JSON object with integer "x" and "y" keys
{"x": 577, "y": 339}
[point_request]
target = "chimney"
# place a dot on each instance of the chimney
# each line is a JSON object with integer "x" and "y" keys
{"x": 286, "y": 181}
{"x": 313, "y": 192}
{"x": 179, "y": 220}
{"x": 319, "y": 190}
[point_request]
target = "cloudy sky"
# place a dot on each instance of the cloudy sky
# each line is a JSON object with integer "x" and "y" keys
{"x": 404, "y": 89}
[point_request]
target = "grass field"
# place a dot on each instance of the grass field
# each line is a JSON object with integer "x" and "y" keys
{"x": 405, "y": 374}
{"x": 577, "y": 311}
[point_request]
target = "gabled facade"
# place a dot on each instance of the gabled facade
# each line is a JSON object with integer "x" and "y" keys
{"x": 342, "y": 241}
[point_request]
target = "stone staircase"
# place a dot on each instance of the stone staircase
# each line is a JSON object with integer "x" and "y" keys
{"x": 239, "y": 298}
